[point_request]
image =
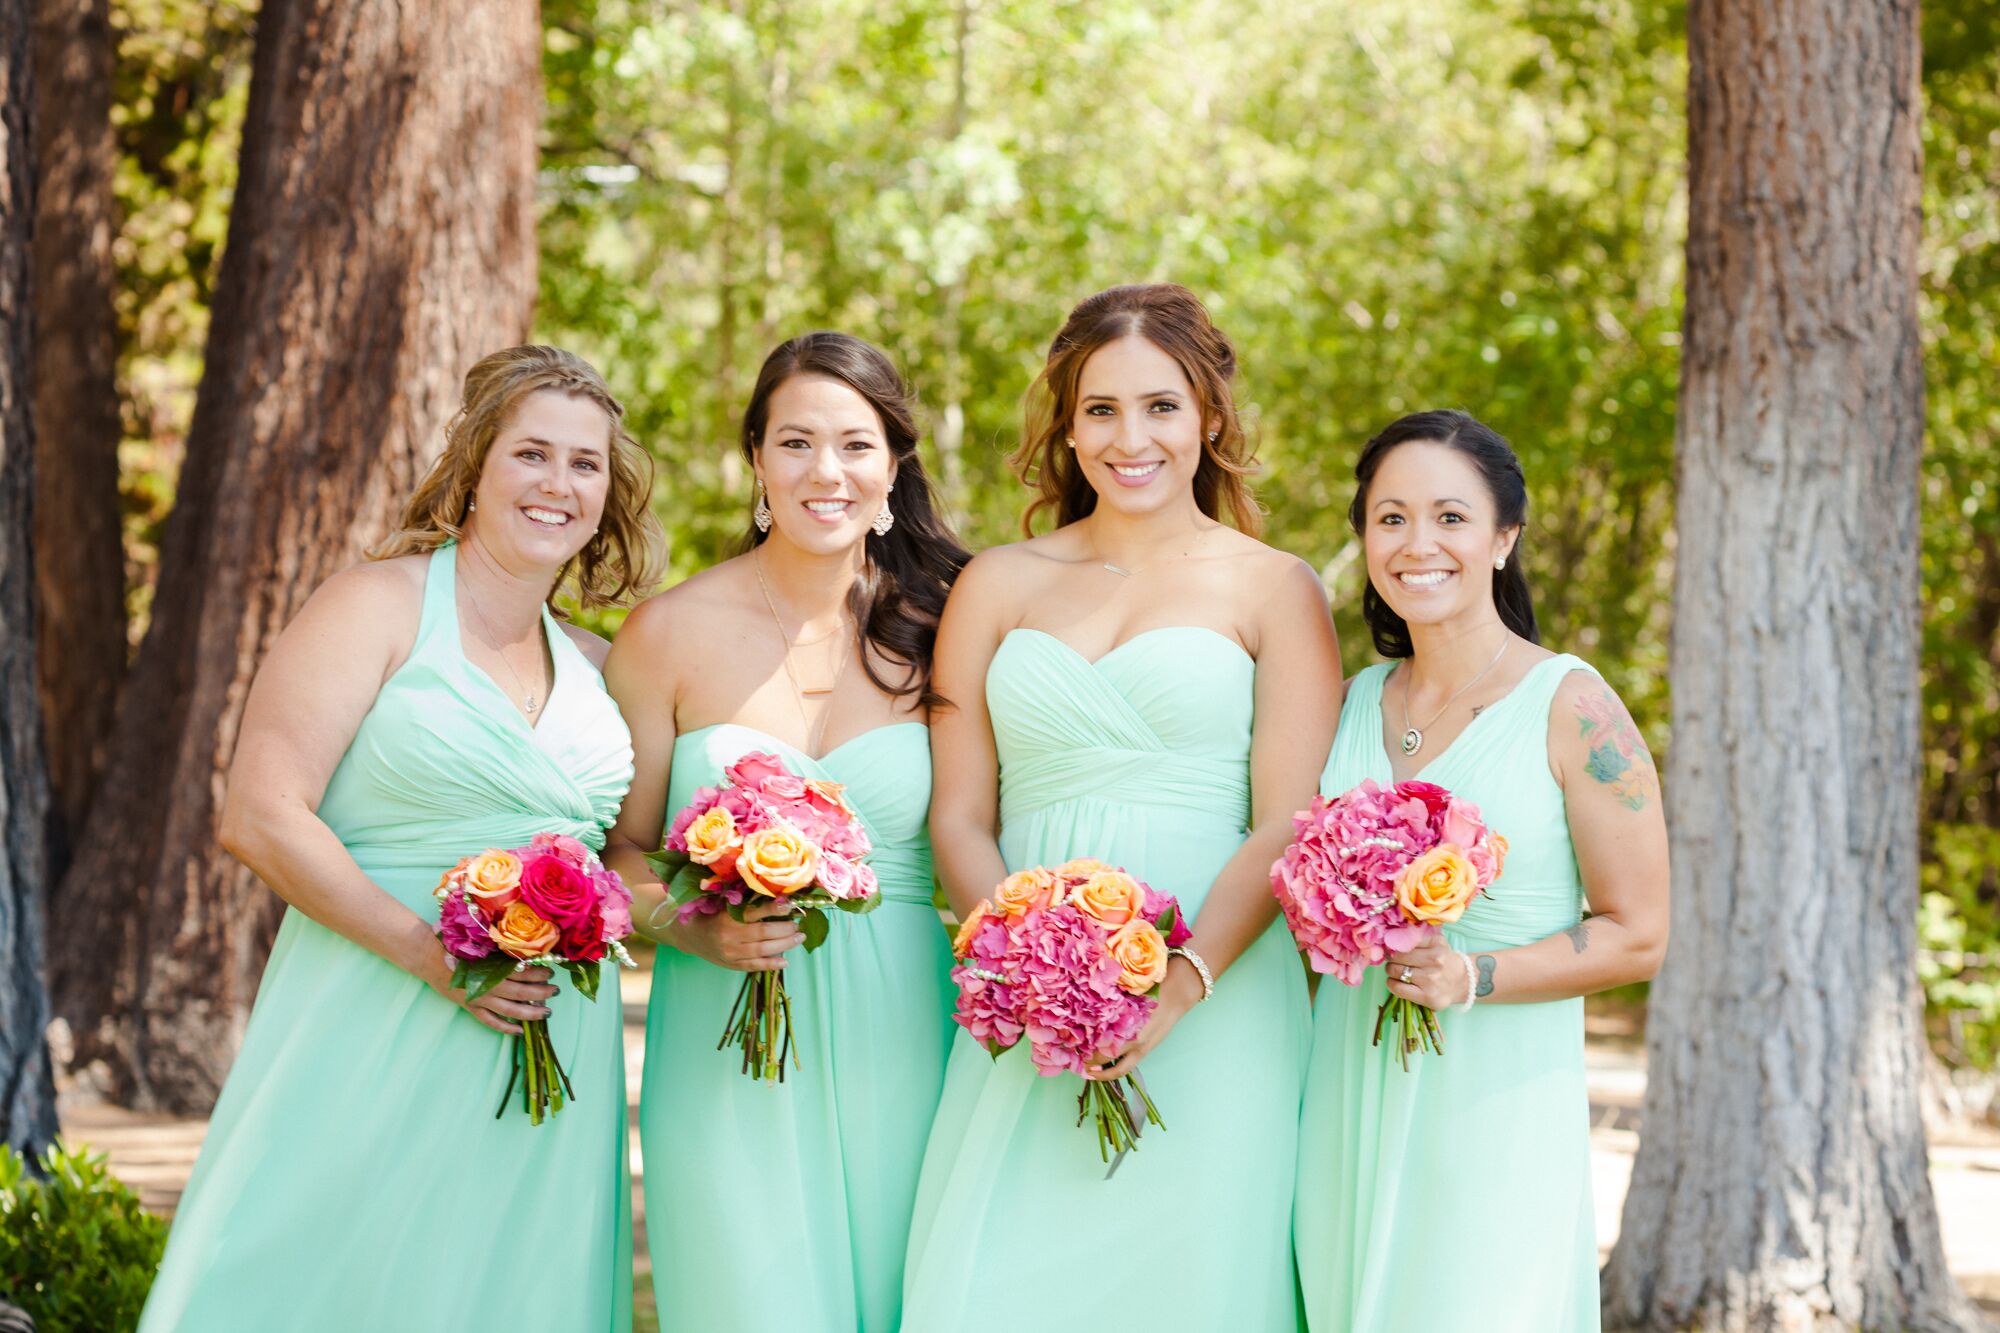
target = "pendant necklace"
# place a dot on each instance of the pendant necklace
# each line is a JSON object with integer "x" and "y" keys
{"x": 1413, "y": 737}
{"x": 528, "y": 704}
{"x": 799, "y": 692}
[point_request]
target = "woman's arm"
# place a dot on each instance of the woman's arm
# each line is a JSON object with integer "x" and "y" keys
{"x": 1611, "y": 793}
{"x": 965, "y": 767}
{"x": 1297, "y": 709}
{"x": 642, "y": 675}
{"x": 310, "y": 695}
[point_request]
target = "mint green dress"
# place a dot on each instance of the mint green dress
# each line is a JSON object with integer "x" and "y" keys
{"x": 786, "y": 1206}
{"x": 1457, "y": 1195}
{"x": 354, "y": 1175}
{"x": 1141, "y": 758}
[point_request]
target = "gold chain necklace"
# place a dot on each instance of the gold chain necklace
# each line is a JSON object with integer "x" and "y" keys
{"x": 528, "y": 703}
{"x": 1413, "y": 737}
{"x": 799, "y": 692}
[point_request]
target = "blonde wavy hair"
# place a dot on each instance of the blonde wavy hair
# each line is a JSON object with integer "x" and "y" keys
{"x": 622, "y": 560}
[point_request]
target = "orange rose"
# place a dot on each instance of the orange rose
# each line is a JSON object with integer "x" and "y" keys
{"x": 1080, "y": 869}
{"x": 1141, "y": 952}
{"x": 963, "y": 940}
{"x": 493, "y": 878}
{"x": 1499, "y": 846}
{"x": 1025, "y": 891}
{"x": 449, "y": 880}
{"x": 830, "y": 792}
{"x": 713, "y": 838}
{"x": 777, "y": 860}
{"x": 1435, "y": 888}
{"x": 523, "y": 932}
{"x": 1112, "y": 896}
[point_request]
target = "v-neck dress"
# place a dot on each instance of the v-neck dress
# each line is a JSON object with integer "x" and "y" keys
{"x": 1140, "y": 758}
{"x": 1457, "y": 1195}
{"x": 354, "y": 1175}
{"x": 787, "y": 1205}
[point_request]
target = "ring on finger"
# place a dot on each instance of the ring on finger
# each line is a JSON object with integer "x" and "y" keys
{"x": 1407, "y": 974}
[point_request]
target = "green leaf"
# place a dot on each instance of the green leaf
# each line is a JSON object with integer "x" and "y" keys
{"x": 476, "y": 977}
{"x": 585, "y": 977}
{"x": 813, "y": 922}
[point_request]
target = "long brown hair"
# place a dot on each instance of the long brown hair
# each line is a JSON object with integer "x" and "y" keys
{"x": 1173, "y": 319}
{"x": 900, "y": 595}
{"x": 622, "y": 559}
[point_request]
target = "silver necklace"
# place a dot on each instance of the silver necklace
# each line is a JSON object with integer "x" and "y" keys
{"x": 1413, "y": 737}
{"x": 528, "y": 703}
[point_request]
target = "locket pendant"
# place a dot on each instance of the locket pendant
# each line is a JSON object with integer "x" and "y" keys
{"x": 1413, "y": 741}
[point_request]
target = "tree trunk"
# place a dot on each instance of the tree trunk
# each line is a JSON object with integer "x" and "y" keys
{"x": 381, "y": 240}
{"x": 27, "y": 1098}
{"x": 1780, "y": 1181}
{"x": 79, "y": 548}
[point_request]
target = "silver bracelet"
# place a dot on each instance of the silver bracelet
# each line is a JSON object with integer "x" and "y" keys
{"x": 1471, "y": 985}
{"x": 1207, "y": 977}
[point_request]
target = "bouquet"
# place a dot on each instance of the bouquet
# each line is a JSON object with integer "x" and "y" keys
{"x": 767, "y": 833}
{"x": 1070, "y": 958}
{"x": 1376, "y": 871}
{"x": 549, "y": 904}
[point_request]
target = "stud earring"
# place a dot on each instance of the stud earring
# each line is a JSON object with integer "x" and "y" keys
{"x": 1070, "y": 440}
{"x": 1213, "y": 435}
{"x": 761, "y": 516}
{"x": 1501, "y": 563}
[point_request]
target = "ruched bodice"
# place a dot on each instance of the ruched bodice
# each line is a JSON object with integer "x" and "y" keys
{"x": 820, "y": 1168}
{"x": 444, "y": 760}
{"x": 1142, "y": 758}
{"x": 1121, "y": 729}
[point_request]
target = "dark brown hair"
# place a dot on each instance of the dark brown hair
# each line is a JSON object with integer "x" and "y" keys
{"x": 1500, "y": 467}
{"x": 621, "y": 561}
{"x": 900, "y": 595}
{"x": 1173, "y": 319}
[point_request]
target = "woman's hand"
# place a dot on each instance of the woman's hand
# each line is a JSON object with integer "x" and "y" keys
{"x": 521, "y": 998}
{"x": 1180, "y": 992}
{"x": 1433, "y": 974}
{"x": 757, "y": 943}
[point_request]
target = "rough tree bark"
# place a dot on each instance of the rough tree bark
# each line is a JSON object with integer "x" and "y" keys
{"x": 79, "y": 551}
{"x": 382, "y": 238}
{"x": 1780, "y": 1181}
{"x": 27, "y": 1099}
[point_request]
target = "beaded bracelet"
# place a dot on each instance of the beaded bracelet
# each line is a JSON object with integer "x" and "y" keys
{"x": 1471, "y": 985}
{"x": 1207, "y": 977}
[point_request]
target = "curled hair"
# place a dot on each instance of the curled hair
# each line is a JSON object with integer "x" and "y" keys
{"x": 900, "y": 595}
{"x": 1501, "y": 469}
{"x": 1173, "y": 319}
{"x": 622, "y": 559}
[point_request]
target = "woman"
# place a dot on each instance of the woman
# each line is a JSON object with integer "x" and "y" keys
{"x": 419, "y": 709}
{"x": 1149, "y": 686}
{"x": 786, "y": 1205}
{"x": 1485, "y": 1147}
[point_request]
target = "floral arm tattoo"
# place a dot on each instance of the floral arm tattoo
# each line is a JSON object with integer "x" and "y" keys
{"x": 1618, "y": 755}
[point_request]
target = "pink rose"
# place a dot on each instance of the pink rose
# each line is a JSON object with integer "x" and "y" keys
{"x": 865, "y": 885}
{"x": 560, "y": 893}
{"x": 563, "y": 847}
{"x": 753, "y": 770}
{"x": 782, "y": 787}
{"x": 836, "y": 875}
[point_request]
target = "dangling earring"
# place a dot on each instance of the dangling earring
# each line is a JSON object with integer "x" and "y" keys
{"x": 472, "y": 506}
{"x": 884, "y": 520}
{"x": 761, "y": 516}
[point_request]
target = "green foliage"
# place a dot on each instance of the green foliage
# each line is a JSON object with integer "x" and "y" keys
{"x": 76, "y": 1250}
{"x": 1388, "y": 204}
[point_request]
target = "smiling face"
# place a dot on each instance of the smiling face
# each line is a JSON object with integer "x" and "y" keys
{"x": 825, "y": 464}
{"x": 1137, "y": 427}
{"x": 1433, "y": 534}
{"x": 542, "y": 491}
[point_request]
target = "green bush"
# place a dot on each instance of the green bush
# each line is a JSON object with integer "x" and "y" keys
{"x": 76, "y": 1250}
